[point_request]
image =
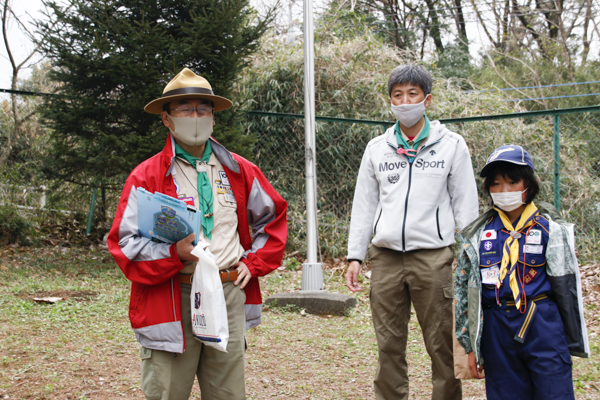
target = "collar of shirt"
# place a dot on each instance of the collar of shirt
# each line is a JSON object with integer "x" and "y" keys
{"x": 212, "y": 161}
{"x": 420, "y": 137}
{"x": 497, "y": 225}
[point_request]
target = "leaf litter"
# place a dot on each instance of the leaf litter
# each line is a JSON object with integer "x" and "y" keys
{"x": 83, "y": 347}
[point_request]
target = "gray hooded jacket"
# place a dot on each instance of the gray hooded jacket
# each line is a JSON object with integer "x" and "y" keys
{"x": 414, "y": 206}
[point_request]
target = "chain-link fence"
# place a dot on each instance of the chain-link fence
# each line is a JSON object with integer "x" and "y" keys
{"x": 565, "y": 146}
{"x": 56, "y": 211}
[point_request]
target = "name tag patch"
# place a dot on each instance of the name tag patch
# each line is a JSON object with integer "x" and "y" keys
{"x": 224, "y": 178}
{"x": 489, "y": 276}
{"x": 534, "y": 249}
{"x": 488, "y": 235}
{"x": 534, "y": 237}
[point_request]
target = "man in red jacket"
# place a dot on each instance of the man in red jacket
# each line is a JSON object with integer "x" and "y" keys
{"x": 232, "y": 194}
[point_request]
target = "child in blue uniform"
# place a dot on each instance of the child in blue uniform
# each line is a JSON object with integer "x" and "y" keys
{"x": 514, "y": 274}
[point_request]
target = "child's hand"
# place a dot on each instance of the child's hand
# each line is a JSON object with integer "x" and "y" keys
{"x": 476, "y": 372}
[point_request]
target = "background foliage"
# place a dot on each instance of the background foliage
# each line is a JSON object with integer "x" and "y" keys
{"x": 113, "y": 57}
{"x": 97, "y": 48}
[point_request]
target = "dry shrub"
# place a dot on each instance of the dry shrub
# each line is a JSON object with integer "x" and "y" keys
{"x": 351, "y": 82}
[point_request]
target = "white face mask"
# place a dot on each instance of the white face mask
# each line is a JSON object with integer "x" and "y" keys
{"x": 508, "y": 201}
{"x": 193, "y": 131}
{"x": 409, "y": 114}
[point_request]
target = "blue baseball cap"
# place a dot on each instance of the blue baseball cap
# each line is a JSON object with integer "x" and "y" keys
{"x": 510, "y": 153}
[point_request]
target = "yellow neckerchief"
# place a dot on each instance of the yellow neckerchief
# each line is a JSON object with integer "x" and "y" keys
{"x": 510, "y": 249}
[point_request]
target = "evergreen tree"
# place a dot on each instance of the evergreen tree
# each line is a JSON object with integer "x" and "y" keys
{"x": 112, "y": 57}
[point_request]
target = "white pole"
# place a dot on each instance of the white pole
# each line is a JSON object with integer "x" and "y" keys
{"x": 291, "y": 20}
{"x": 312, "y": 272}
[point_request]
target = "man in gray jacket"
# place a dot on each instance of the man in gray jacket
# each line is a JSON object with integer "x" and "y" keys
{"x": 415, "y": 183}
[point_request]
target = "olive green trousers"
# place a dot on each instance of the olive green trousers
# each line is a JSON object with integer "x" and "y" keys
{"x": 423, "y": 277}
{"x": 170, "y": 376}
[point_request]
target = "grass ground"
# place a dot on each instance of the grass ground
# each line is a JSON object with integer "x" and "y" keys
{"x": 83, "y": 347}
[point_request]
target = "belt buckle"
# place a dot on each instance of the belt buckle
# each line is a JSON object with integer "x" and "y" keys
{"x": 225, "y": 274}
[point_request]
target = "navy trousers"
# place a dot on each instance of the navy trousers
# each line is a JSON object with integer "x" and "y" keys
{"x": 540, "y": 368}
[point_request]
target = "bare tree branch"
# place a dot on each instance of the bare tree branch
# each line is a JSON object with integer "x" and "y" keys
{"x": 5, "y": 8}
{"x": 507, "y": 82}
{"x": 528, "y": 25}
{"x": 482, "y": 23}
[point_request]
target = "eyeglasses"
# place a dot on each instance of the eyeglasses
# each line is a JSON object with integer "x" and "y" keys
{"x": 202, "y": 109}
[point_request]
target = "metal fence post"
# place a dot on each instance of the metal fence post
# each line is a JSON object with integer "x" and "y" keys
{"x": 557, "y": 161}
{"x": 103, "y": 192}
{"x": 88, "y": 229}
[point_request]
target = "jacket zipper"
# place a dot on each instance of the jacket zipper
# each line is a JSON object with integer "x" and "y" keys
{"x": 377, "y": 222}
{"x": 173, "y": 301}
{"x": 410, "y": 164}
{"x": 437, "y": 220}
{"x": 175, "y": 315}
{"x": 406, "y": 206}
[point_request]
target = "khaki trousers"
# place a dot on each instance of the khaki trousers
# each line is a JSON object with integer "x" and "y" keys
{"x": 425, "y": 278}
{"x": 170, "y": 376}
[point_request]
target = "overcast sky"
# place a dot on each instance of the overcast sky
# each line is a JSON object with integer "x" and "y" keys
{"x": 28, "y": 10}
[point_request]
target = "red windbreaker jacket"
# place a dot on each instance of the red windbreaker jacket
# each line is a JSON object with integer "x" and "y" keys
{"x": 153, "y": 268}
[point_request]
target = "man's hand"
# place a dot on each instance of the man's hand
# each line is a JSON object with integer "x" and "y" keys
{"x": 352, "y": 276}
{"x": 184, "y": 248}
{"x": 244, "y": 274}
{"x": 476, "y": 372}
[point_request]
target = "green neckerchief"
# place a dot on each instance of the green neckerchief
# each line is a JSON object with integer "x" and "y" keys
{"x": 205, "y": 192}
{"x": 404, "y": 144}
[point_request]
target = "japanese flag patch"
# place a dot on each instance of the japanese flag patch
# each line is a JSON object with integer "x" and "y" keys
{"x": 490, "y": 234}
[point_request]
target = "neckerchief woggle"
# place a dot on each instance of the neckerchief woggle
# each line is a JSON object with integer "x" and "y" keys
{"x": 204, "y": 189}
{"x": 510, "y": 249}
{"x": 404, "y": 147}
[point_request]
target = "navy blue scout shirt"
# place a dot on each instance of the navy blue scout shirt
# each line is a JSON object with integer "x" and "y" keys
{"x": 532, "y": 251}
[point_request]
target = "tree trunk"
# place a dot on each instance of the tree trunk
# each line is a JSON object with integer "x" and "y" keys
{"x": 586, "y": 41}
{"x": 434, "y": 28}
{"x": 521, "y": 16}
{"x": 461, "y": 26}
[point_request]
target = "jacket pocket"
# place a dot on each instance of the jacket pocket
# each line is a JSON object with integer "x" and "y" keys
{"x": 226, "y": 220}
{"x": 533, "y": 260}
{"x": 224, "y": 203}
{"x": 437, "y": 221}
{"x": 138, "y": 295}
{"x": 448, "y": 291}
{"x": 376, "y": 222}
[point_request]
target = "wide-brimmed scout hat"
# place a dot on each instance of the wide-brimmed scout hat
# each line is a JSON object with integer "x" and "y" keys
{"x": 511, "y": 153}
{"x": 187, "y": 85}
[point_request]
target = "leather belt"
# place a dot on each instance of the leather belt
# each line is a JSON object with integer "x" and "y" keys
{"x": 227, "y": 275}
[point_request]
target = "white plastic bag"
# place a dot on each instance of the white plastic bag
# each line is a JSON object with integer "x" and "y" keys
{"x": 209, "y": 311}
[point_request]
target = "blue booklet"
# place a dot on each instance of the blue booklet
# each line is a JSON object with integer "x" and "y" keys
{"x": 165, "y": 219}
